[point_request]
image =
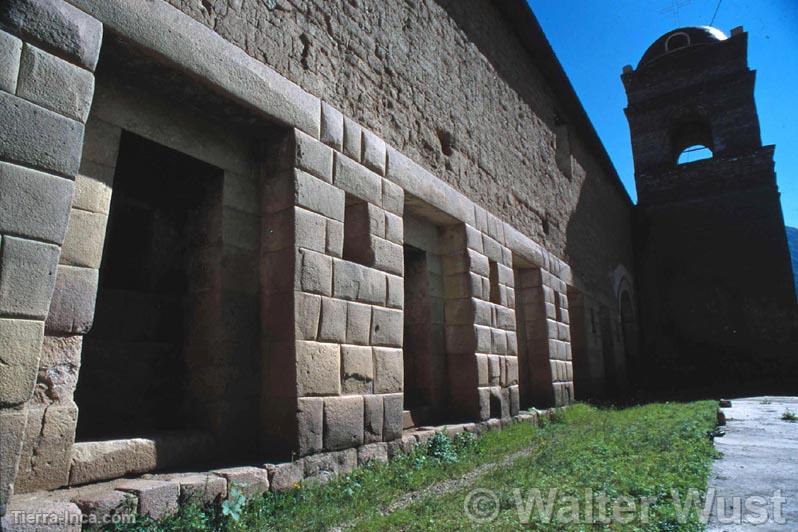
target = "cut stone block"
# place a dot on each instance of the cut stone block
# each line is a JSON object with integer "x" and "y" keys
{"x": 308, "y": 310}
{"x": 423, "y": 436}
{"x": 56, "y": 25}
{"x": 335, "y": 238}
{"x": 388, "y": 257}
{"x": 61, "y": 516}
{"x": 388, "y": 369}
{"x": 74, "y": 297}
{"x": 357, "y": 180}
{"x": 157, "y": 498}
{"x": 498, "y": 341}
{"x": 107, "y": 460}
{"x": 55, "y": 84}
{"x": 10, "y": 52}
{"x": 101, "y": 503}
{"x": 45, "y": 459}
{"x": 27, "y": 277}
{"x": 512, "y": 370}
{"x": 250, "y": 481}
{"x": 332, "y": 126}
{"x": 494, "y": 369}
{"x": 58, "y": 370}
{"x": 484, "y": 403}
{"x": 387, "y": 327}
{"x": 343, "y": 422}
{"x": 483, "y": 375}
{"x": 395, "y": 292}
{"x": 394, "y": 228}
{"x": 515, "y": 400}
{"x": 33, "y": 203}
{"x": 352, "y": 139}
{"x": 505, "y": 403}
{"x": 20, "y": 344}
{"x": 198, "y": 488}
{"x": 316, "y": 276}
{"x": 313, "y": 157}
{"x": 85, "y": 237}
{"x": 203, "y": 55}
{"x": 393, "y": 197}
{"x": 354, "y": 282}
{"x": 283, "y": 477}
{"x": 310, "y": 230}
{"x": 310, "y": 428}
{"x": 373, "y": 418}
{"x": 373, "y": 452}
{"x": 318, "y": 369}
{"x": 373, "y": 152}
{"x": 11, "y": 439}
{"x": 393, "y": 415}
{"x": 35, "y": 136}
{"x": 357, "y": 369}
{"x": 406, "y": 173}
{"x": 323, "y": 467}
{"x": 358, "y": 323}
{"x": 332, "y": 327}
{"x": 318, "y": 196}
{"x": 101, "y": 145}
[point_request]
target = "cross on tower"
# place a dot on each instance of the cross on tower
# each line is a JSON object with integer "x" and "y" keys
{"x": 674, "y": 7}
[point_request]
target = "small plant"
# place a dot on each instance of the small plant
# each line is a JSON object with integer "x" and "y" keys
{"x": 464, "y": 442}
{"x": 440, "y": 448}
{"x": 234, "y": 504}
{"x": 790, "y": 416}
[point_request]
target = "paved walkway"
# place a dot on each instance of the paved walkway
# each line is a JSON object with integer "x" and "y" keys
{"x": 760, "y": 459}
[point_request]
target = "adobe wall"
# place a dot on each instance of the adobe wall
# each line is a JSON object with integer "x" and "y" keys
{"x": 447, "y": 76}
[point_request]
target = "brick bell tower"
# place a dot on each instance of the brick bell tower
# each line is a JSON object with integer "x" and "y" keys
{"x": 716, "y": 293}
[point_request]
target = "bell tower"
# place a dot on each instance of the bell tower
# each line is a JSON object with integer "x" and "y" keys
{"x": 717, "y": 299}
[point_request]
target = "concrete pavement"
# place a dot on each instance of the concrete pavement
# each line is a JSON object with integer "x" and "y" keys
{"x": 755, "y": 483}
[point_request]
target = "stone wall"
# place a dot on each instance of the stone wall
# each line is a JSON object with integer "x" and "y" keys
{"x": 47, "y": 58}
{"x": 161, "y": 495}
{"x": 450, "y": 85}
{"x": 333, "y": 374}
{"x": 303, "y": 325}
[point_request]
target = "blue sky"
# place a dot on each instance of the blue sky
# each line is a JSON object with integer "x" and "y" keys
{"x": 594, "y": 39}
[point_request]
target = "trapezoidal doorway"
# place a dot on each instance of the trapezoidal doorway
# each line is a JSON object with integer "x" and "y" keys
{"x": 162, "y": 257}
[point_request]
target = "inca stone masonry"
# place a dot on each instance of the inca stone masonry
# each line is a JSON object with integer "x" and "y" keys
{"x": 239, "y": 231}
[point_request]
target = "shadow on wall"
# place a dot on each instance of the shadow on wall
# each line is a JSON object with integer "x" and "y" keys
{"x": 597, "y": 236}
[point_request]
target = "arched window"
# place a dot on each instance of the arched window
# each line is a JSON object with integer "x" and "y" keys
{"x": 694, "y": 153}
{"x": 691, "y": 141}
{"x": 676, "y": 41}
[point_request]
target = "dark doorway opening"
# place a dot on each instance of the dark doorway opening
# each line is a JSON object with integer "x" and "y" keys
{"x": 417, "y": 335}
{"x": 161, "y": 259}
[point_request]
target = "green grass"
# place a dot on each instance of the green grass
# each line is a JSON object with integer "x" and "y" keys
{"x": 789, "y": 415}
{"x": 638, "y": 452}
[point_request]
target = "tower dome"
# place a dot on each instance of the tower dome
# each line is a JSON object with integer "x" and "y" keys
{"x": 679, "y": 39}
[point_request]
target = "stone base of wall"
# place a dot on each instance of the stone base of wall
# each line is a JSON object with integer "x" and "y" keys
{"x": 160, "y": 495}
